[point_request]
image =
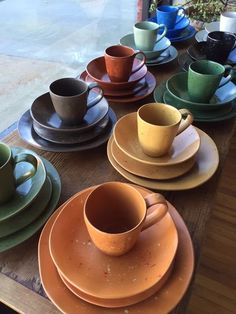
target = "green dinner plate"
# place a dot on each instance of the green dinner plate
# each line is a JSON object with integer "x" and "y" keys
{"x": 29, "y": 214}
{"x": 22, "y": 235}
{"x": 198, "y": 115}
{"x": 27, "y": 191}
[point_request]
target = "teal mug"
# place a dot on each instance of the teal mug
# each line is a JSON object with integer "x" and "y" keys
{"x": 8, "y": 182}
{"x": 204, "y": 78}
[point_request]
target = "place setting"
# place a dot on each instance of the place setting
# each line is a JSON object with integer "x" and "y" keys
{"x": 214, "y": 98}
{"x": 29, "y": 193}
{"x": 148, "y": 37}
{"x": 176, "y": 21}
{"x": 121, "y": 74}
{"x": 129, "y": 250}
{"x": 158, "y": 148}
{"x": 72, "y": 116}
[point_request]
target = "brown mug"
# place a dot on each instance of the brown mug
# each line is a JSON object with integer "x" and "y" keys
{"x": 119, "y": 62}
{"x": 115, "y": 213}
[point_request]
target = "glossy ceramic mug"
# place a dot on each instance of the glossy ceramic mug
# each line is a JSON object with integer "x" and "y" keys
{"x": 167, "y": 15}
{"x": 119, "y": 62}
{"x": 115, "y": 213}
{"x": 70, "y": 99}
{"x": 158, "y": 124}
{"x": 219, "y": 45}
{"x": 145, "y": 35}
{"x": 228, "y": 22}
{"x": 8, "y": 181}
{"x": 204, "y": 78}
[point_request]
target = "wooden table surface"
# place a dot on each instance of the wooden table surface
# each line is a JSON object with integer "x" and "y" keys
{"x": 20, "y": 286}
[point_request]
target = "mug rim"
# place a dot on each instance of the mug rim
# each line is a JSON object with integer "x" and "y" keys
{"x": 117, "y": 233}
{"x": 159, "y": 106}
{"x": 131, "y": 50}
{"x": 85, "y": 85}
{"x": 206, "y": 61}
{"x": 229, "y": 14}
{"x": 9, "y": 154}
{"x": 172, "y": 7}
{"x": 221, "y": 32}
{"x": 155, "y": 26}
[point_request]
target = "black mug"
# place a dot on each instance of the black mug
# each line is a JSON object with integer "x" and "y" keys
{"x": 219, "y": 45}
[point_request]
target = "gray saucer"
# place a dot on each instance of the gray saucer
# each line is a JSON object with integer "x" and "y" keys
{"x": 27, "y": 133}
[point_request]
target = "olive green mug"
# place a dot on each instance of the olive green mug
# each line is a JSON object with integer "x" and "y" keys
{"x": 8, "y": 181}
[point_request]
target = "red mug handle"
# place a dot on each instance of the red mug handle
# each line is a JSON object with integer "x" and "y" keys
{"x": 142, "y": 62}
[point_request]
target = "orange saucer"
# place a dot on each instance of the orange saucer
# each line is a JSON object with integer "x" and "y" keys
{"x": 162, "y": 302}
{"x": 141, "y": 271}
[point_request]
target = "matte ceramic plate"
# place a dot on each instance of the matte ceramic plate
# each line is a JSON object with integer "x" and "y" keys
{"x": 146, "y": 170}
{"x": 207, "y": 160}
{"x": 139, "y": 271}
{"x": 167, "y": 56}
{"x": 177, "y": 86}
{"x": 97, "y": 70}
{"x": 141, "y": 94}
{"x": 202, "y": 114}
{"x": 22, "y": 235}
{"x": 27, "y": 191}
{"x": 71, "y": 137}
{"x": 29, "y": 214}
{"x": 120, "y": 93}
{"x": 27, "y": 133}
{"x": 160, "y": 46}
{"x": 43, "y": 113}
{"x": 161, "y": 89}
{"x": 184, "y": 146}
{"x": 161, "y": 302}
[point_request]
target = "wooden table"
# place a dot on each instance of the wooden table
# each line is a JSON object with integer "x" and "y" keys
{"x": 20, "y": 286}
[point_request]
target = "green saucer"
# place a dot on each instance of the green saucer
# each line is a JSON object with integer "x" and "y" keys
{"x": 27, "y": 191}
{"x": 199, "y": 116}
{"x": 22, "y": 235}
{"x": 29, "y": 214}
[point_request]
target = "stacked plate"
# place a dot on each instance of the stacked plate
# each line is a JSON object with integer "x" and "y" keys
{"x": 140, "y": 84}
{"x": 155, "y": 273}
{"x": 41, "y": 127}
{"x": 33, "y": 202}
{"x": 162, "y": 53}
{"x": 192, "y": 160}
{"x": 222, "y": 105}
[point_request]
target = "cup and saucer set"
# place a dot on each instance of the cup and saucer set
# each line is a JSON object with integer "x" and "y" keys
{"x": 176, "y": 21}
{"x": 121, "y": 73}
{"x": 146, "y": 150}
{"x": 112, "y": 236}
{"x": 56, "y": 123}
{"x": 203, "y": 90}
{"x": 30, "y": 188}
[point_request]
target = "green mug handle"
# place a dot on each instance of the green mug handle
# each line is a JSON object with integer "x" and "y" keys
{"x": 24, "y": 157}
{"x": 229, "y": 77}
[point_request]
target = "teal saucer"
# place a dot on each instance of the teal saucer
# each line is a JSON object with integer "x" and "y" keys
{"x": 29, "y": 214}
{"x": 22, "y": 235}
{"x": 199, "y": 116}
{"x": 27, "y": 191}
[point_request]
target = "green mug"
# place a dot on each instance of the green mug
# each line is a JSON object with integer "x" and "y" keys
{"x": 204, "y": 78}
{"x": 8, "y": 182}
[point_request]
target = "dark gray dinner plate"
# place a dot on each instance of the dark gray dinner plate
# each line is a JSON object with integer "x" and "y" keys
{"x": 27, "y": 133}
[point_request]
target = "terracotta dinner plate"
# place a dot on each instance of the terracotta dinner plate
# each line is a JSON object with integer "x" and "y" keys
{"x": 140, "y": 270}
{"x": 146, "y": 170}
{"x": 96, "y": 69}
{"x": 125, "y": 133}
{"x": 207, "y": 161}
{"x": 161, "y": 302}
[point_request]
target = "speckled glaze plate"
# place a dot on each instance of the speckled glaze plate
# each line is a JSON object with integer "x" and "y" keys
{"x": 161, "y": 302}
{"x": 22, "y": 235}
{"x": 27, "y": 133}
{"x": 27, "y": 191}
{"x": 207, "y": 161}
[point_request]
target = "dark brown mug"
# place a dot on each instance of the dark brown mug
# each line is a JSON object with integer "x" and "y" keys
{"x": 119, "y": 62}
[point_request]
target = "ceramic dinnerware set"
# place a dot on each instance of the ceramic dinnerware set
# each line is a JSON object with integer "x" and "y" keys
{"x": 56, "y": 123}
{"x": 158, "y": 149}
{"x": 30, "y": 188}
{"x": 88, "y": 253}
